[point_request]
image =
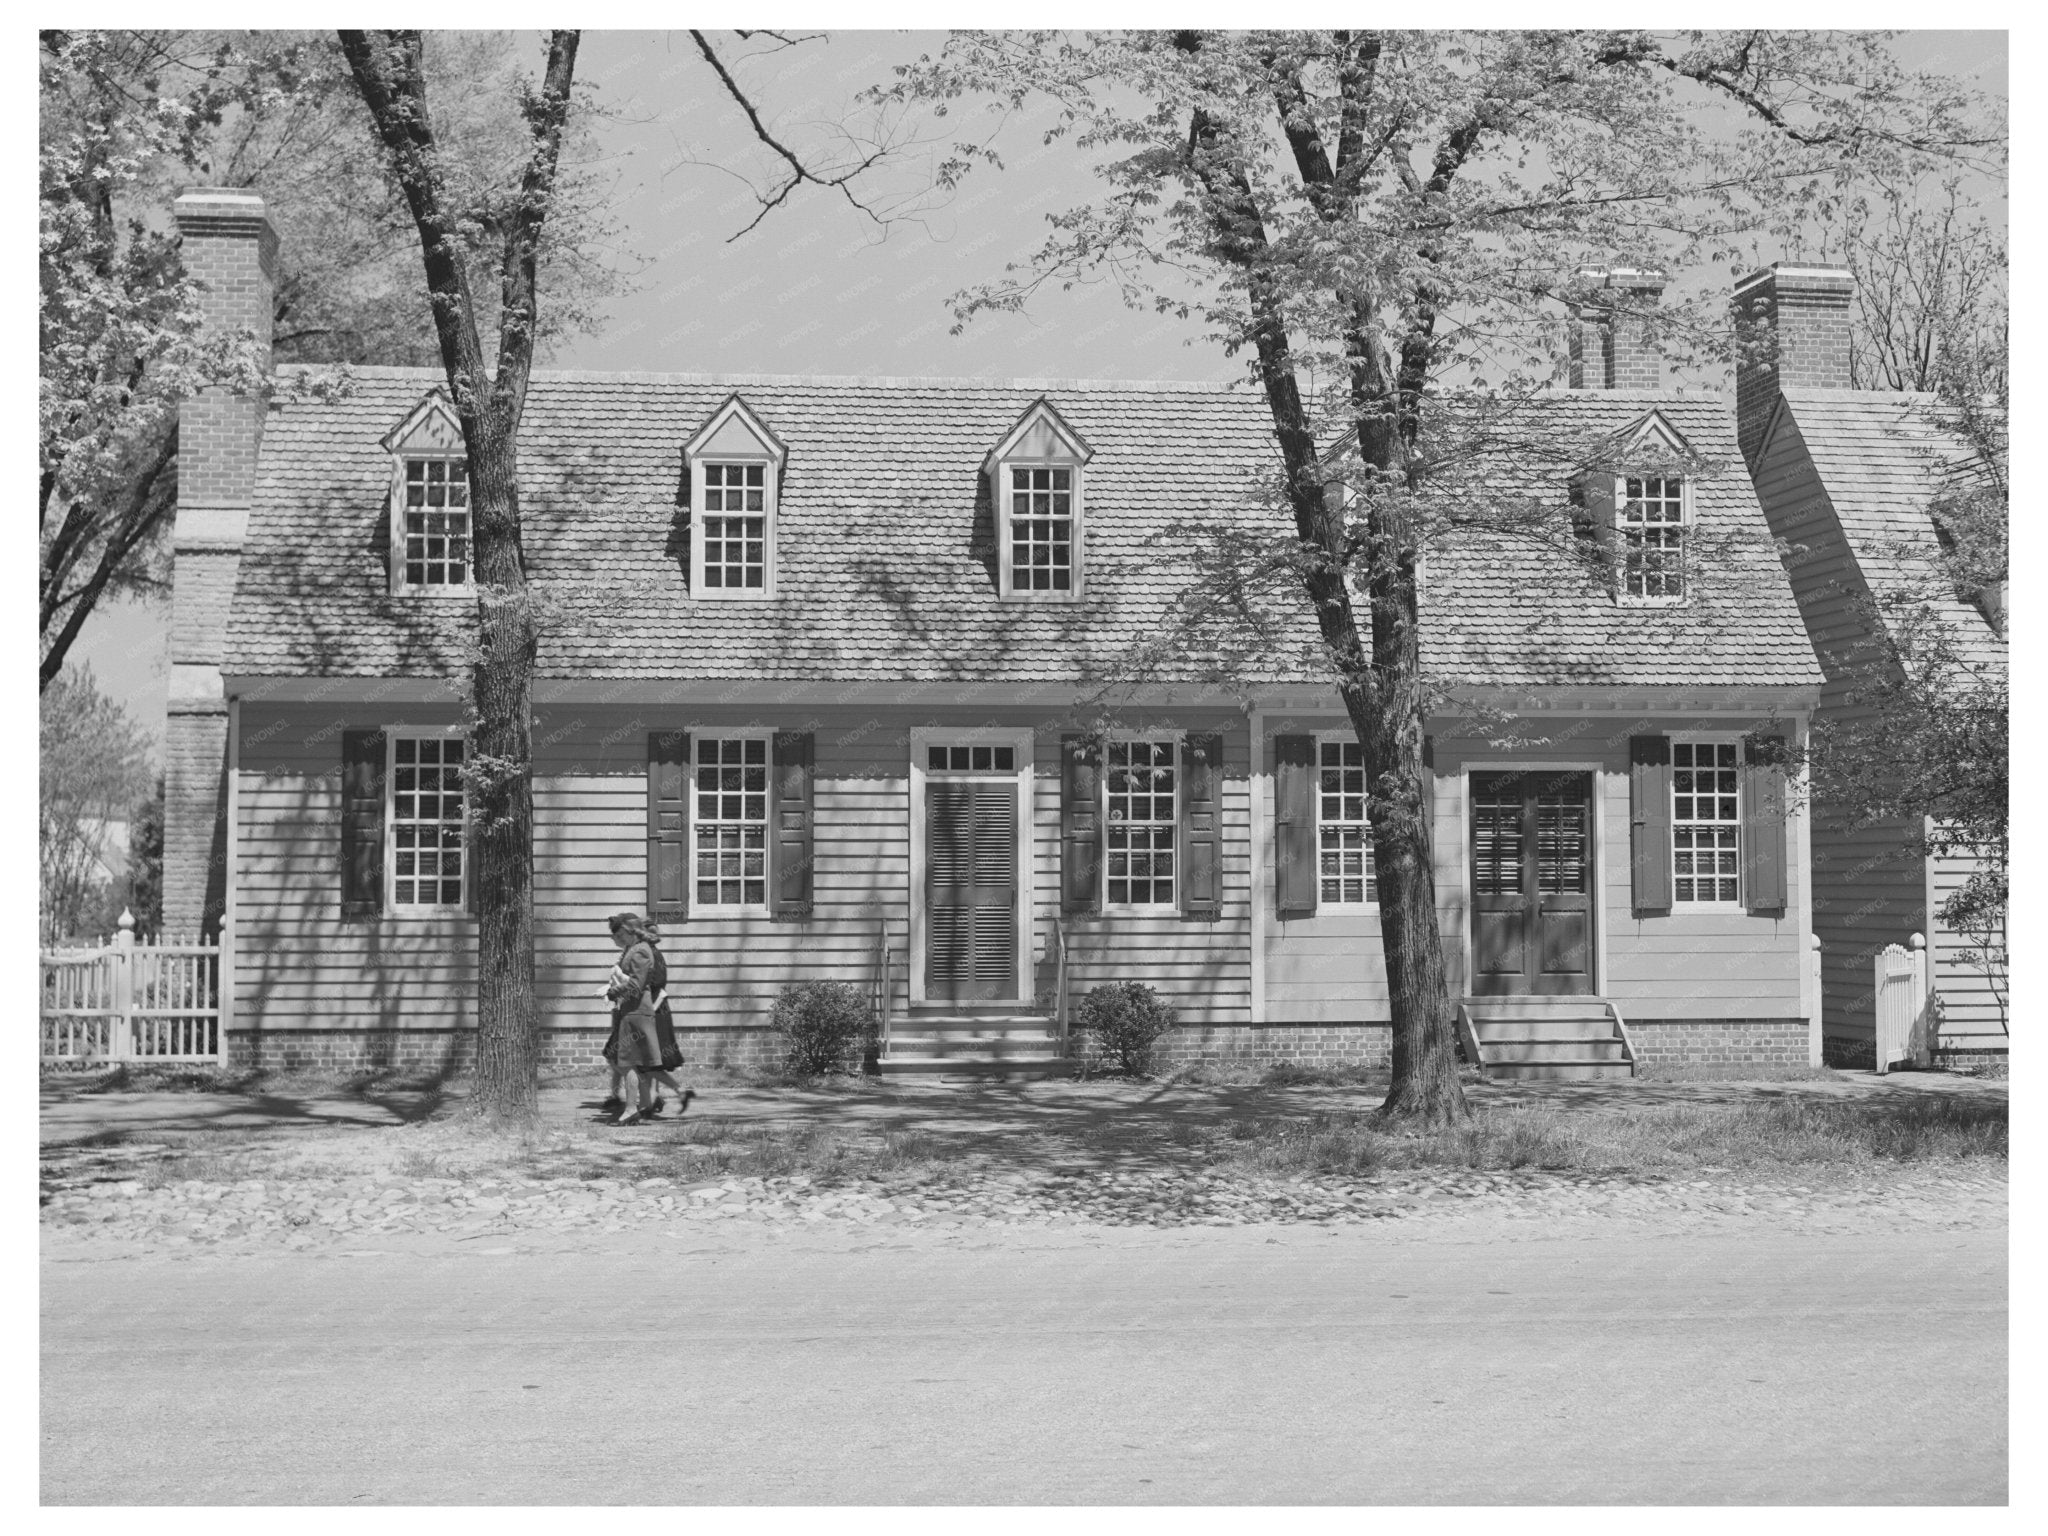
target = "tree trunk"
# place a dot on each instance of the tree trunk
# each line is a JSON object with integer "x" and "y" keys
{"x": 1425, "y": 1085}
{"x": 501, "y": 778}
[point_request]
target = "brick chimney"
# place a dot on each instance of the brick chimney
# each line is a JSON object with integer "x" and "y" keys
{"x": 1791, "y": 331}
{"x": 1611, "y": 345}
{"x": 229, "y": 246}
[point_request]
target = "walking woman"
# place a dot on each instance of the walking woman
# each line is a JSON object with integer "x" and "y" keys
{"x": 643, "y": 1038}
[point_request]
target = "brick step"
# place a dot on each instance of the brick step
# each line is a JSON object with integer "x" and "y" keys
{"x": 925, "y": 1011}
{"x": 978, "y": 1068}
{"x": 925, "y": 1042}
{"x": 1557, "y": 1071}
{"x": 1490, "y": 1029}
{"x": 1538, "y": 1052}
{"x": 1012, "y": 1023}
{"x": 1572, "y": 1005}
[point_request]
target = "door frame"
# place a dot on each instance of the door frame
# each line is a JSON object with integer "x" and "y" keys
{"x": 922, "y": 738}
{"x": 1599, "y": 772}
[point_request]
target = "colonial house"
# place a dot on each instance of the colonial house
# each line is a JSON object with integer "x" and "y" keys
{"x": 835, "y": 675}
{"x": 1848, "y": 479}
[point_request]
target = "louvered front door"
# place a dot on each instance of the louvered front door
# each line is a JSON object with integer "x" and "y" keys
{"x": 970, "y": 890}
{"x": 1532, "y": 883}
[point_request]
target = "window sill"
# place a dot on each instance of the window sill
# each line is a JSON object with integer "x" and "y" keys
{"x": 1717, "y": 908}
{"x": 431, "y": 592}
{"x": 699, "y": 911}
{"x": 1622, "y": 601}
{"x": 735, "y": 595}
{"x": 1166, "y": 909}
{"x": 1075, "y": 595}
{"x": 417, "y": 914}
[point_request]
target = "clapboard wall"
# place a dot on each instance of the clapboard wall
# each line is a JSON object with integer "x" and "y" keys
{"x": 1682, "y": 965}
{"x": 301, "y": 965}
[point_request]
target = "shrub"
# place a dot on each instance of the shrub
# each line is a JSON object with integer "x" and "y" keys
{"x": 825, "y": 1026}
{"x": 1126, "y": 1019}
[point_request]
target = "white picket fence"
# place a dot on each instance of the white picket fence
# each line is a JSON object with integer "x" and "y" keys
{"x": 133, "y": 999}
{"x": 1903, "y": 1025}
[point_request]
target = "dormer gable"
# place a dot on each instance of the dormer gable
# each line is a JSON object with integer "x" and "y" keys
{"x": 735, "y": 431}
{"x": 431, "y": 427}
{"x": 1041, "y": 436}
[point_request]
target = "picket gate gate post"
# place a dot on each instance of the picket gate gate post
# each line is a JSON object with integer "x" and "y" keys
{"x": 121, "y": 1021}
{"x": 1813, "y": 982}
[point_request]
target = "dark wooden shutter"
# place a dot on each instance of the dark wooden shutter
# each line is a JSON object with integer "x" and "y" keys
{"x": 1201, "y": 826}
{"x": 1649, "y": 822}
{"x": 668, "y": 826}
{"x": 362, "y": 823}
{"x": 1080, "y": 825}
{"x": 1294, "y": 823}
{"x": 1763, "y": 823}
{"x": 792, "y": 823}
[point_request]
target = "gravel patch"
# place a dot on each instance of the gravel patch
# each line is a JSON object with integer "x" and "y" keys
{"x": 297, "y": 1213}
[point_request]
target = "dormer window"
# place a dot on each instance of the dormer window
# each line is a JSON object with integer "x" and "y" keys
{"x": 1651, "y": 526}
{"x": 1638, "y": 502}
{"x": 1035, "y": 476}
{"x": 1041, "y": 518}
{"x": 436, "y": 523}
{"x": 735, "y": 526}
{"x": 736, "y": 466}
{"x": 429, "y": 510}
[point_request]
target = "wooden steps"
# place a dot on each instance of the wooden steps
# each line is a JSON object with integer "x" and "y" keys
{"x": 970, "y": 1040}
{"x": 1546, "y": 1038}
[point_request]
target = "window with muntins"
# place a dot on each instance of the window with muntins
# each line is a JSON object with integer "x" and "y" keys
{"x": 1041, "y": 530}
{"x": 427, "y": 820}
{"x": 435, "y": 523}
{"x": 1706, "y": 825}
{"x": 1343, "y": 838}
{"x": 1651, "y": 528}
{"x": 971, "y": 759}
{"x": 1142, "y": 785}
{"x": 730, "y": 827}
{"x": 734, "y": 527}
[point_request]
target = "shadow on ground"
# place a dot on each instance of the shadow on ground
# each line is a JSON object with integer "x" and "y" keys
{"x": 107, "y": 1132}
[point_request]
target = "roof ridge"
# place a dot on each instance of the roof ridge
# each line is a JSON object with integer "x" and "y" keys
{"x": 785, "y": 380}
{"x": 1831, "y": 396}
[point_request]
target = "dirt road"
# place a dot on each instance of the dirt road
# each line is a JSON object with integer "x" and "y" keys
{"x": 1486, "y": 1363}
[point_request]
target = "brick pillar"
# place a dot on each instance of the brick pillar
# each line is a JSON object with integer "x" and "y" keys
{"x": 1611, "y": 345}
{"x": 1791, "y": 331}
{"x": 229, "y": 246}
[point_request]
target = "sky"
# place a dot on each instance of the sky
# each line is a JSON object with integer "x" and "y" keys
{"x": 817, "y": 288}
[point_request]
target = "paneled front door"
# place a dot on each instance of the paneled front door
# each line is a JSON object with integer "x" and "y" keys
{"x": 1532, "y": 883}
{"x": 970, "y": 890}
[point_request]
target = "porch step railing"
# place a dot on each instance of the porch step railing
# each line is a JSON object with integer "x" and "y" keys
{"x": 1060, "y": 1001}
{"x": 132, "y": 999}
{"x": 884, "y": 988}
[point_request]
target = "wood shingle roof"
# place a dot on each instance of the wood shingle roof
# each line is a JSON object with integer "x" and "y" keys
{"x": 886, "y": 542}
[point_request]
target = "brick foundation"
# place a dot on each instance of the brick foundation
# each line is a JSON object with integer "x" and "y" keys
{"x": 1260, "y": 1045}
{"x": 1719, "y": 1042}
{"x": 1702, "y": 1042}
{"x": 453, "y": 1051}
